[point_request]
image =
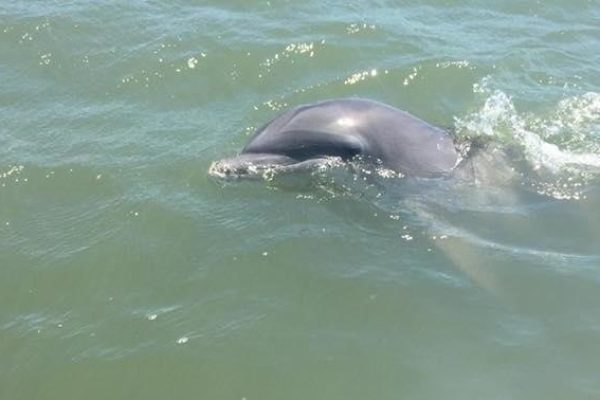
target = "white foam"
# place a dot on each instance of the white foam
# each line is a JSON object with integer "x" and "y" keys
{"x": 499, "y": 118}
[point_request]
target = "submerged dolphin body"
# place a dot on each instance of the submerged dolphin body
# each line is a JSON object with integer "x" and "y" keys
{"x": 314, "y": 134}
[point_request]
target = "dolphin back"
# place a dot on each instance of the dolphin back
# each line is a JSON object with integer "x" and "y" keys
{"x": 349, "y": 127}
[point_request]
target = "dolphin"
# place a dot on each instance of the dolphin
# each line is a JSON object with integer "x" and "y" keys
{"x": 314, "y": 134}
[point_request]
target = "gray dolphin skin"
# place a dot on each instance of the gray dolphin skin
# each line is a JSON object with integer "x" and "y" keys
{"x": 314, "y": 134}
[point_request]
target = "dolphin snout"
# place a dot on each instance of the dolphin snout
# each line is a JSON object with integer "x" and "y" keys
{"x": 227, "y": 168}
{"x": 248, "y": 165}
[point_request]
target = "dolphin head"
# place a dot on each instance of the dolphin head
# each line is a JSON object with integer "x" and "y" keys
{"x": 248, "y": 165}
{"x": 265, "y": 165}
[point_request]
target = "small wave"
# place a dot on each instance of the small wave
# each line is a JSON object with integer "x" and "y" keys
{"x": 576, "y": 122}
{"x": 560, "y": 262}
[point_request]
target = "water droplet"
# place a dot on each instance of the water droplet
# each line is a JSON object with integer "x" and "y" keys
{"x": 192, "y": 62}
{"x": 183, "y": 340}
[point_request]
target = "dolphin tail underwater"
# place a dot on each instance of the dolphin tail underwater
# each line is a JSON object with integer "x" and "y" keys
{"x": 338, "y": 130}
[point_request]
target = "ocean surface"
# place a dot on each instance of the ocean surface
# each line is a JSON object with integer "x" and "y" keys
{"x": 127, "y": 272}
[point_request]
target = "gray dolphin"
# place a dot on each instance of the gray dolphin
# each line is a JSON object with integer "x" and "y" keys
{"x": 314, "y": 134}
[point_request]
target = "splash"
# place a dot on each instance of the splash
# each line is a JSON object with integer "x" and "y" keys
{"x": 562, "y": 149}
{"x": 576, "y": 123}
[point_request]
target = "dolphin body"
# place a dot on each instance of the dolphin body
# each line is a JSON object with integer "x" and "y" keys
{"x": 311, "y": 135}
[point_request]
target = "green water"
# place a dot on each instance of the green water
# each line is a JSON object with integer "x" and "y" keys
{"x": 126, "y": 272}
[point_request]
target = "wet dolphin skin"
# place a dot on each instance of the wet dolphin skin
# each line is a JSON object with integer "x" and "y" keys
{"x": 309, "y": 135}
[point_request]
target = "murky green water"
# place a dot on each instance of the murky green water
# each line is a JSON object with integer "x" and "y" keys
{"x": 127, "y": 273}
